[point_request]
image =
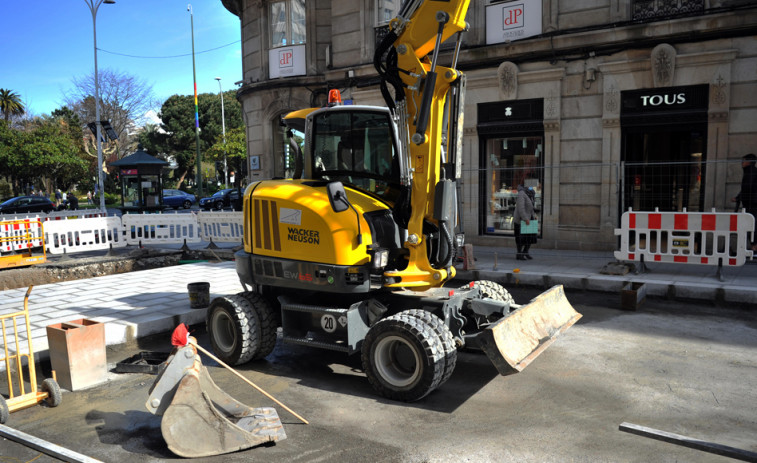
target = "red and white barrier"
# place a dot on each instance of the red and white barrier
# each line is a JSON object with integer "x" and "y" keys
{"x": 714, "y": 238}
{"x": 20, "y": 235}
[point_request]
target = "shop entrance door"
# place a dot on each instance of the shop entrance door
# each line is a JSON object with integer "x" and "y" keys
{"x": 664, "y": 168}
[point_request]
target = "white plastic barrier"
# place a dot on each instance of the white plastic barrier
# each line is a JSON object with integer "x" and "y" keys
{"x": 715, "y": 238}
{"x": 160, "y": 228}
{"x": 218, "y": 227}
{"x": 91, "y": 234}
{"x": 75, "y": 214}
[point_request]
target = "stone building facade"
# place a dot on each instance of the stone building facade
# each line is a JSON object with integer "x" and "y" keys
{"x": 600, "y": 105}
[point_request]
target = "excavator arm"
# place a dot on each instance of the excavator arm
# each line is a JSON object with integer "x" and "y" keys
{"x": 426, "y": 99}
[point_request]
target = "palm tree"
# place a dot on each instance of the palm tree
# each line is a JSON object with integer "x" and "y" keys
{"x": 10, "y": 104}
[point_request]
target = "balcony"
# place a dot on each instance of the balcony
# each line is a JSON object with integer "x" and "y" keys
{"x": 643, "y": 10}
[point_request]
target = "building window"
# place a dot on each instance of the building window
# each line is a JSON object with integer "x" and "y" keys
{"x": 287, "y": 23}
{"x": 510, "y": 161}
{"x": 511, "y": 135}
{"x": 386, "y": 10}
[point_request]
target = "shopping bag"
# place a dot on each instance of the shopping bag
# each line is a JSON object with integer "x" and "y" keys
{"x": 530, "y": 229}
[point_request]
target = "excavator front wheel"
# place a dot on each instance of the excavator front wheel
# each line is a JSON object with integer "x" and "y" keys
{"x": 403, "y": 357}
{"x": 240, "y": 328}
{"x": 493, "y": 290}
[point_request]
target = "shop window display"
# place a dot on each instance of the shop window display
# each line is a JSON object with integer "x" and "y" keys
{"x": 511, "y": 161}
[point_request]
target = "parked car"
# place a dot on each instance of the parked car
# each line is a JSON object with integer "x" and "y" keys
{"x": 24, "y": 204}
{"x": 178, "y": 198}
{"x": 222, "y": 199}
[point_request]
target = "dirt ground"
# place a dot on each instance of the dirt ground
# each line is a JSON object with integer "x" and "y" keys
{"x": 678, "y": 367}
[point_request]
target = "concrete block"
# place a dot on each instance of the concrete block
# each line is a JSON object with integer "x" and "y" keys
{"x": 77, "y": 353}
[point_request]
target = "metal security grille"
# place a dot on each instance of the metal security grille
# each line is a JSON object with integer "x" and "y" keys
{"x": 587, "y": 194}
{"x": 650, "y": 9}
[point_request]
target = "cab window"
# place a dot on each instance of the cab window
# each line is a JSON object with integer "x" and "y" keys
{"x": 356, "y": 148}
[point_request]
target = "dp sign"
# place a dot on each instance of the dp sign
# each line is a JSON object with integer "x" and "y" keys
{"x": 510, "y": 21}
{"x": 512, "y": 17}
{"x": 286, "y": 58}
{"x": 286, "y": 61}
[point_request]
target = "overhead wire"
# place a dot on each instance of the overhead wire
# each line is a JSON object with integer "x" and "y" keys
{"x": 169, "y": 56}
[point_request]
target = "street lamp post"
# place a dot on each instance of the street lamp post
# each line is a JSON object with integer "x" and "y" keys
{"x": 198, "y": 161}
{"x": 94, "y": 5}
{"x": 223, "y": 128}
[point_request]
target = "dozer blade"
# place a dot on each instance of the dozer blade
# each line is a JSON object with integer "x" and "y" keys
{"x": 517, "y": 339}
{"x": 199, "y": 419}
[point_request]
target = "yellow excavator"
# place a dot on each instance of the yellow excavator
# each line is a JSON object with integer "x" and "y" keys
{"x": 352, "y": 254}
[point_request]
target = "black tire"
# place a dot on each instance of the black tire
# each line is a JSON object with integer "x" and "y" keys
{"x": 445, "y": 336}
{"x": 267, "y": 321}
{"x": 494, "y": 291}
{"x": 234, "y": 329}
{"x": 218, "y": 205}
{"x": 403, "y": 357}
{"x": 4, "y": 410}
{"x": 187, "y": 204}
{"x": 54, "y": 396}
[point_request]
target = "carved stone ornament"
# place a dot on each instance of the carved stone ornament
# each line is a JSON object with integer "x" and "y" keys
{"x": 612, "y": 105}
{"x": 718, "y": 91}
{"x": 508, "y": 80}
{"x": 663, "y": 65}
{"x": 550, "y": 108}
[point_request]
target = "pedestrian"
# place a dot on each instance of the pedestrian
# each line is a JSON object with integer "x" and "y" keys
{"x": 58, "y": 197}
{"x": 523, "y": 215}
{"x": 748, "y": 194}
{"x": 89, "y": 197}
{"x": 73, "y": 201}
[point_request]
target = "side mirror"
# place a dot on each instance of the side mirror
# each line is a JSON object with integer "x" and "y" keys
{"x": 337, "y": 197}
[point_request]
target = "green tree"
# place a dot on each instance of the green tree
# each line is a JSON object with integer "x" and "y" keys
{"x": 49, "y": 151}
{"x": 177, "y": 139}
{"x": 10, "y": 142}
{"x": 10, "y": 104}
{"x": 235, "y": 150}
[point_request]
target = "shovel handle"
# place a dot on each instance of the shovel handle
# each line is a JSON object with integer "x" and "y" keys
{"x": 220, "y": 362}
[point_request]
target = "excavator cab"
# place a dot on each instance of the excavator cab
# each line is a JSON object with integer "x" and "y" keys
{"x": 355, "y": 145}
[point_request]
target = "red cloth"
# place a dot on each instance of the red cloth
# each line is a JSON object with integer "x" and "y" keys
{"x": 180, "y": 336}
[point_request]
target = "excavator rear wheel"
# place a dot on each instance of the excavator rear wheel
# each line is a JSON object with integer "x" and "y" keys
{"x": 403, "y": 357}
{"x": 234, "y": 326}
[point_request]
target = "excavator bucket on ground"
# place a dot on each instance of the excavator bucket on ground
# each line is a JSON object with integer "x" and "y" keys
{"x": 199, "y": 419}
{"x": 516, "y": 340}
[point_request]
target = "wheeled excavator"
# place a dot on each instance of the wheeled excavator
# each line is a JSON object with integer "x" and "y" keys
{"x": 356, "y": 252}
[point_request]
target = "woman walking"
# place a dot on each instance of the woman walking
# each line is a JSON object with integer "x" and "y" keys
{"x": 524, "y": 211}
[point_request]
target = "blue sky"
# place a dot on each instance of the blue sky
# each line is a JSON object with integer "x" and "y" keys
{"x": 44, "y": 45}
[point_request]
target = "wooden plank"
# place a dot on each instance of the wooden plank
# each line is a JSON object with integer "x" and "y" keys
{"x": 697, "y": 444}
{"x": 45, "y": 447}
